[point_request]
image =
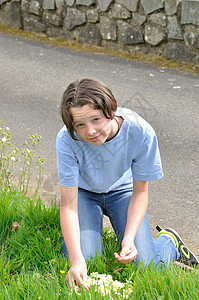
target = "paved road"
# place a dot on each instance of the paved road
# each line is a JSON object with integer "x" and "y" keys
{"x": 33, "y": 77}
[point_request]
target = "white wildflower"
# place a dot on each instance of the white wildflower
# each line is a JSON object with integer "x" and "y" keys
{"x": 126, "y": 251}
{"x": 4, "y": 139}
{"x": 13, "y": 158}
{"x": 7, "y": 128}
{"x": 36, "y": 275}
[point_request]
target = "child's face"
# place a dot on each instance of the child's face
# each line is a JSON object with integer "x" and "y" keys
{"x": 92, "y": 126}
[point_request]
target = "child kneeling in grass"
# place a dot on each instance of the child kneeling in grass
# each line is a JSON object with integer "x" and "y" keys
{"x": 106, "y": 155}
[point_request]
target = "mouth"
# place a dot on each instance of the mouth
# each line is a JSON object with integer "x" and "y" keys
{"x": 94, "y": 139}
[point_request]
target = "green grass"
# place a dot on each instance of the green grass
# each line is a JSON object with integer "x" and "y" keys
{"x": 31, "y": 259}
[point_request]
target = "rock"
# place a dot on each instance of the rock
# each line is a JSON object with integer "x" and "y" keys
{"x": 152, "y": 5}
{"x": 74, "y": 17}
{"x": 48, "y": 4}
{"x": 159, "y": 19}
{"x": 171, "y": 7}
{"x": 190, "y": 12}
{"x": 10, "y": 16}
{"x": 129, "y": 4}
{"x": 128, "y": 35}
{"x": 59, "y": 5}
{"x": 139, "y": 19}
{"x": 108, "y": 29}
{"x": 119, "y": 12}
{"x": 3, "y": 1}
{"x": 178, "y": 52}
{"x": 154, "y": 35}
{"x": 90, "y": 34}
{"x": 174, "y": 29}
{"x": 192, "y": 38}
{"x": 70, "y": 2}
{"x": 104, "y": 4}
{"x": 33, "y": 24}
{"x": 25, "y": 4}
{"x": 52, "y": 18}
{"x": 59, "y": 33}
{"x": 92, "y": 16}
{"x": 85, "y": 2}
{"x": 35, "y": 8}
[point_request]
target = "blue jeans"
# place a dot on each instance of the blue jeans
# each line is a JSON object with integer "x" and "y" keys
{"x": 92, "y": 206}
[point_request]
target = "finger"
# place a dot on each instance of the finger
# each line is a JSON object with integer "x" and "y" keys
{"x": 116, "y": 255}
{"x": 68, "y": 280}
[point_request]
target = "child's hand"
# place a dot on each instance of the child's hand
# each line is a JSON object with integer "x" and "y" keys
{"x": 77, "y": 274}
{"x": 127, "y": 254}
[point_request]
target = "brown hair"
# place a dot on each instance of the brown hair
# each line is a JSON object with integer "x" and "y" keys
{"x": 86, "y": 91}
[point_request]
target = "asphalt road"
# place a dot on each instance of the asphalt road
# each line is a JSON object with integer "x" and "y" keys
{"x": 33, "y": 77}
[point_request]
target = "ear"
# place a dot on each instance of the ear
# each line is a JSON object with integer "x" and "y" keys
{"x": 113, "y": 113}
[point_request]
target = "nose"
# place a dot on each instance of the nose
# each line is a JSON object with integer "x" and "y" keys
{"x": 90, "y": 130}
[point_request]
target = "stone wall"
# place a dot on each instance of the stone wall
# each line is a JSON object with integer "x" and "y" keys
{"x": 161, "y": 27}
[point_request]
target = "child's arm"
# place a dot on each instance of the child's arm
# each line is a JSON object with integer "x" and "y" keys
{"x": 136, "y": 211}
{"x": 70, "y": 229}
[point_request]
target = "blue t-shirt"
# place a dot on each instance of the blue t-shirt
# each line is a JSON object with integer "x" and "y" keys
{"x": 132, "y": 153}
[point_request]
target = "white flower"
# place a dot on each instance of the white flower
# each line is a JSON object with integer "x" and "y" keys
{"x": 7, "y": 128}
{"x": 4, "y": 139}
{"x": 36, "y": 275}
{"x": 126, "y": 250}
{"x": 13, "y": 158}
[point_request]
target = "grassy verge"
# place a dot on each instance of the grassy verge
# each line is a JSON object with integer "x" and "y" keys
{"x": 75, "y": 45}
{"x": 31, "y": 260}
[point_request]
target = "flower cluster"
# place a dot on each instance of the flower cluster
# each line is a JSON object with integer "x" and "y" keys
{"x": 105, "y": 285}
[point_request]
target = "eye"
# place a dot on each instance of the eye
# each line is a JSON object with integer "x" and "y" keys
{"x": 79, "y": 125}
{"x": 96, "y": 119}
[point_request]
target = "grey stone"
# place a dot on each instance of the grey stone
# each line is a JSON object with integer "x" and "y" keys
{"x": 35, "y": 8}
{"x": 108, "y": 29}
{"x": 171, "y": 7}
{"x": 33, "y": 24}
{"x": 25, "y": 4}
{"x": 90, "y": 34}
{"x": 139, "y": 19}
{"x": 192, "y": 38}
{"x": 70, "y": 2}
{"x": 119, "y": 12}
{"x": 152, "y": 5}
{"x": 52, "y": 18}
{"x": 174, "y": 29}
{"x": 59, "y": 32}
{"x": 74, "y": 17}
{"x": 130, "y": 4}
{"x": 92, "y": 16}
{"x": 190, "y": 12}
{"x": 3, "y": 1}
{"x": 154, "y": 35}
{"x": 178, "y": 52}
{"x": 104, "y": 4}
{"x": 85, "y": 2}
{"x": 59, "y": 5}
{"x": 10, "y": 16}
{"x": 159, "y": 19}
{"x": 48, "y": 4}
{"x": 128, "y": 35}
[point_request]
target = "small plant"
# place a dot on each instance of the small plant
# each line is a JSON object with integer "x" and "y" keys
{"x": 9, "y": 156}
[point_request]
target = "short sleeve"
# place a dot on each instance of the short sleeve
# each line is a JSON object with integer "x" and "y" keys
{"x": 68, "y": 168}
{"x": 147, "y": 166}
